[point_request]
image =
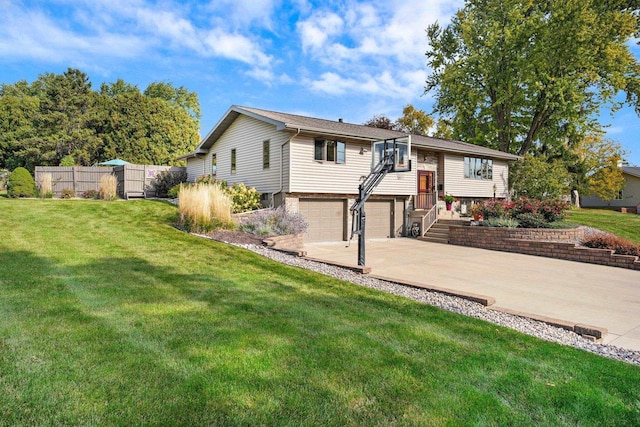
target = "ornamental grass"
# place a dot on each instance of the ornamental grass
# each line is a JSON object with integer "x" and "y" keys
{"x": 46, "y": 186}
{"x": 204, "y": 207}
{"x": 108, "y": 187}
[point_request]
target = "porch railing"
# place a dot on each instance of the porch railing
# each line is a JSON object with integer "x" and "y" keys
{"x": 424, "y": 201}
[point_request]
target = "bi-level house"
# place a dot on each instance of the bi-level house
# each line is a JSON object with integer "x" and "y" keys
{"x": 314, "y": 166}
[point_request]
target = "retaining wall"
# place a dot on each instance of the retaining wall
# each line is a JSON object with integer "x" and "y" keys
{"x": 558, "y": 244}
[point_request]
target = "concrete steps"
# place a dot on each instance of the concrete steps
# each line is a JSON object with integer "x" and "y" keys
{"x": 439, "y": 232}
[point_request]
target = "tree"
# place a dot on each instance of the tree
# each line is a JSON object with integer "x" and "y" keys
{"x": 415, "y": 122}
{"x": 596, "y": 167}
{"x": 516, "y": 74}
{"x": 145, "y": 130}
{"x": 381, "y": 121}
{"x": 538, "y": 177}
{"x": 60, "y": 117}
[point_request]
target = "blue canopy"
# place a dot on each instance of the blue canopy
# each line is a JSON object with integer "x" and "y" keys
{"x": 115, "y": 162}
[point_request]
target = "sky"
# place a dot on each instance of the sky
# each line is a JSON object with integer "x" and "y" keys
{"x": 329, "y": 59}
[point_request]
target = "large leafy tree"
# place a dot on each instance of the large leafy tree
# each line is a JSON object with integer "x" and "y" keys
{"x": 517, "y": 74}
{"x": 60, "y": 117}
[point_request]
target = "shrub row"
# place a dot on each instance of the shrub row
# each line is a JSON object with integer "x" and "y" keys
{"x": 619, "y": 245}
{"x": 529, "y": 213}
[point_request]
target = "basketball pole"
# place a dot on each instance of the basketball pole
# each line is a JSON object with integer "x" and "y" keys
{"x": 362, "y": 220}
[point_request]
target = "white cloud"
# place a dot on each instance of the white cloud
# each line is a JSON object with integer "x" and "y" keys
{"x": 33, "y": 34}
{"x": 235, "y": 46}
{"x": 317, "y": 30}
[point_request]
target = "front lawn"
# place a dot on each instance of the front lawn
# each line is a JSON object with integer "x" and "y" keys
{"x": 110, "y": 316}
{"x": 623, "y": 225}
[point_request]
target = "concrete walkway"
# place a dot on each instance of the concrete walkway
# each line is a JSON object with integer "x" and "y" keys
{"x": 578, "y": 293}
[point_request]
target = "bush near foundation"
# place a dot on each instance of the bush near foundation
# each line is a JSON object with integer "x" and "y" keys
{"x": 244, "y": 198}
{"x": 269, "y": 222}
{"x": 21, "y": 184}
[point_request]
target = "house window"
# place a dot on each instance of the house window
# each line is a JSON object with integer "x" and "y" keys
{"x": 330, "y": 151}
{"x": 265, "y": 154}
{"x": 477, "y": 168}
{"x": 620, "y": 196}
{"x": 214, "y": 164}
{"x": 233, "y": 160}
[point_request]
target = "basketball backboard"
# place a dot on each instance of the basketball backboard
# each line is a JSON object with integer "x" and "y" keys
{"x": 395, "y": 151}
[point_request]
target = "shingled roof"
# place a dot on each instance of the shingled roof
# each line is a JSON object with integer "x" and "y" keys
{"x": 338, "y": 128}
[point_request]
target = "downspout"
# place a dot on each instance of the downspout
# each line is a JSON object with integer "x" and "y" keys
{"x": 282, "y": 164}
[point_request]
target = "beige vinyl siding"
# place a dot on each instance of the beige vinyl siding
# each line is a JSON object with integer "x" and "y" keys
{"x": 457, "y": 185}
{"x": 311, "y": 176}
{"x": 246, "y": 136}
{"x": 195, "y": 168}
{"x": 630, "y": 196}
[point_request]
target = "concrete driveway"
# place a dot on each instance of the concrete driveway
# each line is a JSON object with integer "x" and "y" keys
{"x": 577, "y": 293}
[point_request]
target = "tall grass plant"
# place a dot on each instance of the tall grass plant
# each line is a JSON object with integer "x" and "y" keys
{"x": 203, "y": 207}
{"x": 46, "y": 186}
{"x": 108, "y": 187}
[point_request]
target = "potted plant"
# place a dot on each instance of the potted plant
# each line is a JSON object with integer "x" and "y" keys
{"x": 476, "y": 212}
{"x": 448, "y": 200}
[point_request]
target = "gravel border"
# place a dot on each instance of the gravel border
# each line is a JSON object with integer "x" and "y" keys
{"x": 453, "y": 304}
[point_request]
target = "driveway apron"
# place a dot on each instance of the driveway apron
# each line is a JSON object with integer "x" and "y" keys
{"x": 601, "y": 296}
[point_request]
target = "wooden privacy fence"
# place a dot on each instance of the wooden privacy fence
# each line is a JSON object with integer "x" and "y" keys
{"x": 133, "y": 180}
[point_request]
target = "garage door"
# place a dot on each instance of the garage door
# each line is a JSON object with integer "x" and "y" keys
{"x": 325, "y": 219}
{"x": 378, "y": 218}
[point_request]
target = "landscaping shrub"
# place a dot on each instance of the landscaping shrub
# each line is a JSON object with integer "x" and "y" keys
{"x": 274, "y": 222}
{"x": 46, "y": 186}
{"x": 204, "y": 207}
{"x": 108, "y": 187}
{"x": 502, "y": 222}
{"x": 530, "y": 213}
{"x": 68, "y": 193}
{"x": 90, "y": 194}
{"x": 21, "y": 184}
{"x": 491, "y": 209}
{"x": 166, "y": 180}
{"x": 532, "y": 220}
{"x": 175, "y": 190}
{"x": 244, "y": 198}
{"x": 610, "y": 241}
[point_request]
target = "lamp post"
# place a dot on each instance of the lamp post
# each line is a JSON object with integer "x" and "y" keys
{"x": 494, "y": 192}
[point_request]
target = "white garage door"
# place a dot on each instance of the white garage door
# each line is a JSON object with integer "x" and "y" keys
{"x": 325, "y": 219}
{"x": 378, "y": 218}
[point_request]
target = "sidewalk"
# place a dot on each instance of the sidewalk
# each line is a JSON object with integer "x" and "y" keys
{"x": 600, "y": 296}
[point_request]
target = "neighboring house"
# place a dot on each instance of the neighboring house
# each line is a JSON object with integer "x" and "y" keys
{"x": 314, "y": 167}
{"x": 629, "y": 197}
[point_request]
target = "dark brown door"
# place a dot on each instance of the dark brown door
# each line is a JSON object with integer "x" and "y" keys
{"x": 426, "y": 190}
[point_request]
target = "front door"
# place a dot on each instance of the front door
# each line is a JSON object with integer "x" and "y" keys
{"x": 426, "y": 190}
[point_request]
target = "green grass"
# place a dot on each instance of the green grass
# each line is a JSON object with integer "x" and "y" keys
{"x": 110, "y": 316}
{"x": 623, "y": 225}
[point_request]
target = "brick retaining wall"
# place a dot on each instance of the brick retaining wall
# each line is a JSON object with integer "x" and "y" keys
{"x": 290, "y": 242}
{"x": 540, "y": 242}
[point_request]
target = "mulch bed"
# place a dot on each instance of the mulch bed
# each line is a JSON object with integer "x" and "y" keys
{"x": 237, "y": 237}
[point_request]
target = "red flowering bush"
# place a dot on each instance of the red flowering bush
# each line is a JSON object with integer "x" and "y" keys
{"x": 609, "y": 241}
{"x": 531, "y": 213}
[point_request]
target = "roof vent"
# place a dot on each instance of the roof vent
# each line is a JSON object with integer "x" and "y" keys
{"x": 340, "y": 120}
